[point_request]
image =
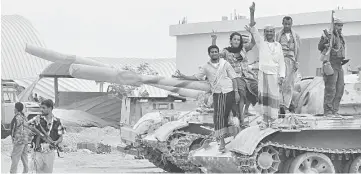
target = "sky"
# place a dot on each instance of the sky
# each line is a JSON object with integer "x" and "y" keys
{"x": 138, "y": 28}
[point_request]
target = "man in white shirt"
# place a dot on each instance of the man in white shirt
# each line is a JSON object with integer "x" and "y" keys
{"x": 271, "y": 70}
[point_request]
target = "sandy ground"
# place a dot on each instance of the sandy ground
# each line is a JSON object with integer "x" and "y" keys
{"x": 86, "y": 162}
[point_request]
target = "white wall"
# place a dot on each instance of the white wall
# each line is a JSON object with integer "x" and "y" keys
{"x": 309, "y": 58}
{"x": 192, "y": 49}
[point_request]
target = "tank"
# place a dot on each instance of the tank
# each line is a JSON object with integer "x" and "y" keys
{"x": 296, "y": 143}
{"x": 299, "y": 143}
{"x": 164, "y": 138}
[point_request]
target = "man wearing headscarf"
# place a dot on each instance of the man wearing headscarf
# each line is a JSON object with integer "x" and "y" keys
{"x": 271, "y": 70}
{"x": 290, "y": 42}
{"x": 334, "y": 84}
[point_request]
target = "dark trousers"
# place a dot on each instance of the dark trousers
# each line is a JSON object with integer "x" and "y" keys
{"x": 222, "y": 107}
{"x": 334, "y": 88}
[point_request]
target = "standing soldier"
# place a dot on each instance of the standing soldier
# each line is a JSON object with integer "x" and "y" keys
{"x": 334, "y": 84}
{"x": 51, "y": 127}
{"x": 290, "y": 42}
{"x": 20, "y": 136}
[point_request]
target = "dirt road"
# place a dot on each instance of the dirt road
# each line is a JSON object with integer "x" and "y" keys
{"x": 85, "y": 162}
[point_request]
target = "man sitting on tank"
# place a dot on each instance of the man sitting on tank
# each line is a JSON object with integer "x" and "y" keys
{"x": 222, "y": 79}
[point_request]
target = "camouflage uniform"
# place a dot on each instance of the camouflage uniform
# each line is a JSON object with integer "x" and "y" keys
{"x": 21, "y": 138}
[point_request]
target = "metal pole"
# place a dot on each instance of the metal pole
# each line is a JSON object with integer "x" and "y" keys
{"x": 56, "y": 92}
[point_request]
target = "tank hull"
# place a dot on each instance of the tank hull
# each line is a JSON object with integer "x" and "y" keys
{"x": 332, "y": 140}
{"x": 310, "y": 92}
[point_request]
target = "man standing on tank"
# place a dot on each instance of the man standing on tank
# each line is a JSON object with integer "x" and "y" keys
{"x": 271, "y": 70}
{"x": 334, "y": 84}
{"x": 290, "y": 42}
{"x": 222, "y": 79}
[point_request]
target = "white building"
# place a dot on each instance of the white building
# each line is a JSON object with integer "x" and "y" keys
{"x": 193, "y": 39}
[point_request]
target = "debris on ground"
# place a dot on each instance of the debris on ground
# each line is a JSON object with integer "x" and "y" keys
{"x": 104, "y": 139}
{"x": 106, "y": 136}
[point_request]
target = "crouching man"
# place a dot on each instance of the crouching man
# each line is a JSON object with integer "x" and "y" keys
{"x": 49, "y": 126}
{"x": 222, "y": 79}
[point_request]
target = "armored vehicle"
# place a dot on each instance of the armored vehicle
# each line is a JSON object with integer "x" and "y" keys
{"x": 296, "y": 143}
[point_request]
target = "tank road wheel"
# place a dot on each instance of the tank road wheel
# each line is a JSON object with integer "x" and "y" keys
{"x": 268, "y": 160}
{"x": 312, "y": 163}
{"x": 355, "y": 166}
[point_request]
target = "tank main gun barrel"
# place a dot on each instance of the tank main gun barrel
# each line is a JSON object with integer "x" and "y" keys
{"x": 181, "y": 91}
{"x": 88, "y": 69}
{"x": 113, "y": 75}
{"x": 53, "y": 56}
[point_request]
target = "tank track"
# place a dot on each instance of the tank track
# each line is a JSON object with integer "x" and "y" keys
{"x": 158, "y": 159}
{"x": 180, "y": 150}
{"x": 248, "y": 164}
{"x": 172, "y": 155}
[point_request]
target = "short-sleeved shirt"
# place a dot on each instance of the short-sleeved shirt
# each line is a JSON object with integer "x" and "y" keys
{"x": 54, "y": 129}
{"x": 288, "y": 45}
{"x": 221, "y": 82}
{"x": 21, "y": 133}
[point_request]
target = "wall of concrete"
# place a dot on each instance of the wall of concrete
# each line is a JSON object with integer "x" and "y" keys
{"x": 192, "y": 49}
{"x": 193, "y": 39}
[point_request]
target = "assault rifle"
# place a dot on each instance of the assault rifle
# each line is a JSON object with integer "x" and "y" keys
{"x": 46, "y": 138}
{"x": 328, "y": 36}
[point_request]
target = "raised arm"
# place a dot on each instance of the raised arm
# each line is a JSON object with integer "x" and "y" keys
{"x": 255, "y": 34}
{"x": 249, "y": 46}
{"x": 214, "y": 38}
